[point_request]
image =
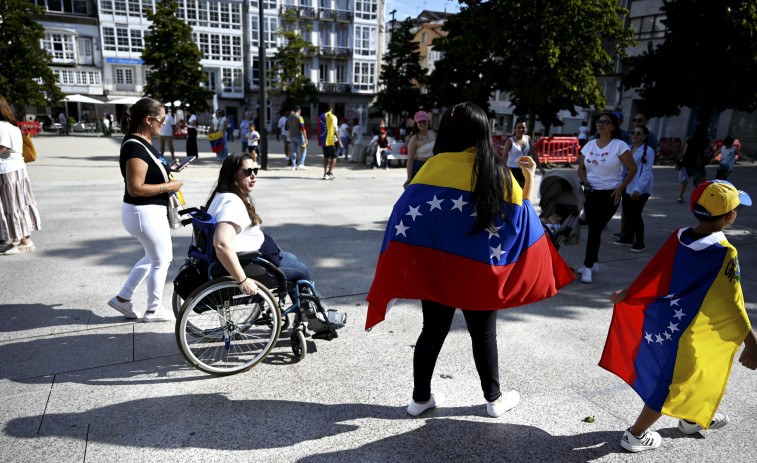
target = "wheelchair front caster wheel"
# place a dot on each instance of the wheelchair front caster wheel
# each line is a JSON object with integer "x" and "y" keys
{"x": 299, "y": 348}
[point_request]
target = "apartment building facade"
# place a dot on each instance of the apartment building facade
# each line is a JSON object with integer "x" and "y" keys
{"x": 97, "y": 48}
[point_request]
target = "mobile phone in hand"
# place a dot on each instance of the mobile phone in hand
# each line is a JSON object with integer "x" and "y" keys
{"x": 185, "y": 163}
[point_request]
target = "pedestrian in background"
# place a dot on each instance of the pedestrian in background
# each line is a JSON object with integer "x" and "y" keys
{"x": 345, "y": 133}
{"x": 166, "y": 135}
{"x": 638, "y": 191}
{"x": 692, "y": 162}
{"x": 516, "y": 147}
{"x": 600, "y": 168}
{"x": 63, "y": 123}
{"x": 145, "y": 208}
{"x": 230, "y": 128}
{"x": 19, "y": 215}
{"x": 299, "y": 139}
{"x": 329, "y": 137}
{"x": 283, "y": 133}
{"x": 192, "y": 134}
{"x": 641, "y": 120}
{"x": 421, "y": 145}
{"x": 728, "y": 152}
{"x": 244, "y": 130}
{"x": 220, "y": 125}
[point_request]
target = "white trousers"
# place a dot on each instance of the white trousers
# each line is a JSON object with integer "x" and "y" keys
{"x": 149, "y": 224}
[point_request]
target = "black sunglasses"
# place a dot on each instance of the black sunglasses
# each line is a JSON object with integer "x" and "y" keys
{"x": 249, "y": 171}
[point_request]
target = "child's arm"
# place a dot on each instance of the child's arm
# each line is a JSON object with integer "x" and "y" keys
{"x": 748, "y": 356}
{"x": 744, "y": 156}
{"x": 619, "y": 295}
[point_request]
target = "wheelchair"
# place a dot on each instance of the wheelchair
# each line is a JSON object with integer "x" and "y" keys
{"x": 221, "y": 330}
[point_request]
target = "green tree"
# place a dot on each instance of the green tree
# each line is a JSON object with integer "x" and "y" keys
{"x": 707, "y": 62}
{"x": 26, "y": 77}
{"x": 546, "y": 54}
{"x": 287, "y": 77}
{"x": 401, "y": 75}
{"x": 174, "y": 59}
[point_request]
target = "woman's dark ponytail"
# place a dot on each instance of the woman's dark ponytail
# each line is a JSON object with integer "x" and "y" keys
{"x": 135, "y": 113}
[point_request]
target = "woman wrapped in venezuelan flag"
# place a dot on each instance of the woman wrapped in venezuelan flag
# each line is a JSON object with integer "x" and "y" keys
{"x": 464, "y": 235}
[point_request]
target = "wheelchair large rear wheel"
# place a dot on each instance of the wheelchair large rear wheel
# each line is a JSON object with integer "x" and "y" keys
{"x": 222, "y": 331}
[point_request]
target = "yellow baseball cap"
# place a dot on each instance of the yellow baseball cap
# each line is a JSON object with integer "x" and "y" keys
{"x": 717, "y": 197}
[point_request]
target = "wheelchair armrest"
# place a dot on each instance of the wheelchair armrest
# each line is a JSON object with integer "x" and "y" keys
{"x": 248, "y": 255}
{"x": 188, "y": 210}
{"x": 185, "y": 222}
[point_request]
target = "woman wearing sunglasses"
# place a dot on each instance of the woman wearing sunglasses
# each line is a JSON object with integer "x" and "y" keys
{"x": 638, "y": 191}
{"x": 600, "y": 168}
{"x": 238, "y": 224}
{"x": 145, "y": 209}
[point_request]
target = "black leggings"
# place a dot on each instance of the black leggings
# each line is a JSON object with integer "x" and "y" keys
{"x": 192, "y": 142}
{"x": 482, "y": 326}
{"x": 599, "y": 207}
{"x": 634, "y": 227}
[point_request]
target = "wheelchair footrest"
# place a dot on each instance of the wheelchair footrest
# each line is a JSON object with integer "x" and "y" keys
{"x": 327, "y": 335}
{"x": 317, "y": 320}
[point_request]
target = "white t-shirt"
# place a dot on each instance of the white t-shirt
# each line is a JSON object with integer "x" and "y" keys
{"x": 167, "y": 129}
{"x": 12, "y": 159}
{"x": 251, "y": 135}
{"x": 516, "y": 152}
{"x": 583, "y": 132}
{"x": 283, "y": 125}
{"x": 344, "y": 131}
{"x": 604, "y": 169}
{"x": 228, "y": 207}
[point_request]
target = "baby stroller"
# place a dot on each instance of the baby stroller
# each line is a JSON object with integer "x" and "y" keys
{"x": 222, "y": 331}
{"x": 561, "y": 195}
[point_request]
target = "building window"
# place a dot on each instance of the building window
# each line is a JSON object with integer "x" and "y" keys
{"x": 202, "y": 14}
{"x": 270, "y": 25}
{"x": 119, "y": 7}
{"x": 122, "y": 38}
{"x": 136, "y": 40}
{"x": 323, "y": 73}
{"x": 232, "y": 80}
{"x": 366, "y": 9}
{"x": 364, "y": 76}
{"x": 84, "y": 47}
{"x": 365, "y": 40}
{"x": 134, "y": 8}
{"x": 124, "y": 76}
{"x": 325, "y": 37}
{"x": 255, "y": 32}
{"x": 109, "y": 39}
{"x": 68, "y": 6}
{"x": 60, "y": 46}
{"x": 341, "y": 74}
{"x": 210, "y": 81}
{"x": 269, "y": 4}
{"x": 424, "y": 37}
{"x": 649, "y": 27}
{"x": 342, "y": 38}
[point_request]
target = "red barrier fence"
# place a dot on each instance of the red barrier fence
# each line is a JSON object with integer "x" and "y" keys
{"x": 32, "y": 128}
{"x": 667, "y": 147}
{"x": 557, "y": 149}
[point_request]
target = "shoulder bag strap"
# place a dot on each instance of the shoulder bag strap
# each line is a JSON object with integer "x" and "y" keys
{"x": 159, "y": 164}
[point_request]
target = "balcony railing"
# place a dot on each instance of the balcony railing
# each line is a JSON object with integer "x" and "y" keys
{"x": 335, "y": 52}
{"x": 333, "y": 88}
{"x": 307, "y": 12}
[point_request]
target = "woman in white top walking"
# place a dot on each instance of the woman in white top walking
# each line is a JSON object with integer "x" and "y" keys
{"x": 600, "y": 168}
{"x": 517, "y": 146}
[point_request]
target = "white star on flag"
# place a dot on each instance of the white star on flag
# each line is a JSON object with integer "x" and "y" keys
{"x": 459, "y": 203}
{"x": 659, "y": 338}
{"x": 674, "y": 302}
{"x": 475, "y": 214}
{"x": 435, "y": 203}
{"x": 414, "y": 212}
{"x": 494, "y": 233}
{"x": 667, "y": 335}
{"x": 679, "y": 314}
{"x": 648, "y": 337}
{"x": 401, "y": 229}
{"x": 669, "y": 296}
{"x": 673, "y": 327}
{"x": 497, "y": 252}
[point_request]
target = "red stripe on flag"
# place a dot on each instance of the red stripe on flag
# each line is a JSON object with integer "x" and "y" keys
{"x": 626, "y": 329}
{"x": 413, "y": 272}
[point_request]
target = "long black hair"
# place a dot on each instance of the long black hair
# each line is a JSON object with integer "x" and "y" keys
{"x": 227, "y": 183}
{"x": 646, "y": 143}
{"x": 465, "y": 126}
{"x": 135, "y": 113}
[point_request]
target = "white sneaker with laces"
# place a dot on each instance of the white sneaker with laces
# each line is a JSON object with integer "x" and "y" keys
{"x": 689, "y": 427}
{"x": 416, "y": 409}
{"x": 509, "y": 400}
{"x": 157, "y": 316}
{"x": 650, "y": 440}
{"x": 586, "y": 275}
{"x": 124, "y": 307}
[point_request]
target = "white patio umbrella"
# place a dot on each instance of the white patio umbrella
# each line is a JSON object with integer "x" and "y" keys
{"x": 125, "y": 100}
{"x": 76, "y": 98}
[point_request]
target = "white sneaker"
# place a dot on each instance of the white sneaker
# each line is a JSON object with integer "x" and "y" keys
{"x": 650, "y": 440}
{"x": 302, "y": 167}
{"x": 157, "y": 316}
{"x": 689, "y": 427}
{"x": 124, "y": 307}
{"x": 416, "y": 409}
{"x": 594, "y": 268}
{"x": 509, "y": 400}
{"x": 586, "y": 275}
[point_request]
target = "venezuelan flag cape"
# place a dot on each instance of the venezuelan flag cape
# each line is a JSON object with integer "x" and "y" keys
{"x": 217, "y": 141}
{"x": 674, "y": 337}
{"x": 431, "y": 252}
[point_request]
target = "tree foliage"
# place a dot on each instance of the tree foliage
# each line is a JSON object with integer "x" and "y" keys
{"x": 708, "y": 59}
{"x": 546, "y": 54}
{"x": 401, "y": 75}
{"x": 26, "y": 77}
{"x": 174, "y": 60}
{"x": 287, "y": 78}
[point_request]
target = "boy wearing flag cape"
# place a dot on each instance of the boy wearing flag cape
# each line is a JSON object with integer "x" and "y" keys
{"x": 676, "y": 330}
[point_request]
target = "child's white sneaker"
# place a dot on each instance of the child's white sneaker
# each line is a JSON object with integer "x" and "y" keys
{"x": 689, "y": 427}
{"x": 650, "y": 440}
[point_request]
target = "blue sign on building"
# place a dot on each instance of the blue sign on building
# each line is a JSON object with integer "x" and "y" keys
{"x": 123, "y": 61}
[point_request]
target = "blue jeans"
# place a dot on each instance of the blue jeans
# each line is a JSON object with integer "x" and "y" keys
{"x": 298, "y": 151}
{"x": 293, "y": 268}
{"x": 345, "y": 149}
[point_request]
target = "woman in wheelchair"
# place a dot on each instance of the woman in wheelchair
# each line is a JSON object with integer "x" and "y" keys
{"x": 238, "y": 224}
